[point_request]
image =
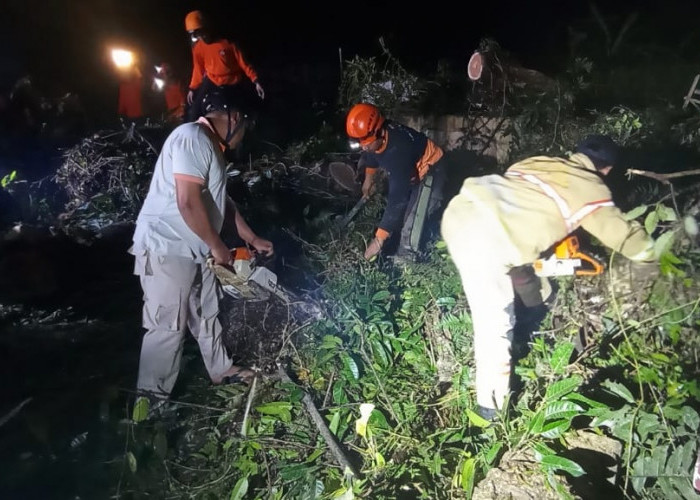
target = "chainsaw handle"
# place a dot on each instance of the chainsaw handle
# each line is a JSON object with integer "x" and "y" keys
{"x": 597, "y": 266}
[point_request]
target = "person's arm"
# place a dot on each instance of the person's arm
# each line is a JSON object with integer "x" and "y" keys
{"x": 197, "y": 67}
{"x": 370, "y": 171}
{"x": 189, "y": 202}
{"x": 627, "y": 237}
{"x": 245, "y": 65}
{"x": 262, "y": 245}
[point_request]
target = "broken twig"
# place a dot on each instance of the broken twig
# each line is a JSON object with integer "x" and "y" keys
{"x": 663, "y": 178}
{"x": 316, "y": 417}
{"x": 251, "y": 395}
{"x": 14, "y": 412}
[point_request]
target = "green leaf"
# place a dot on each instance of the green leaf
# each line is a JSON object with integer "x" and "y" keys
{"x": 140, "y": 411}
{"x": 239, "y": 491}
{"x": 690, "y": 418}
{"x": 554, "y": 462}
{"x": 635, "y": 212}
{"x": 619, "y": 390}
{"x": 350, "y": 365}
{"x": 561, "y": 356}
{"x": 562, "y": 387}
{"x": 446, "y": 301}
{"x": 131, "y": 460}
{"x": 281, "y": 409}
{"x": 666, "y": 214}
{"x": 535, "y": 425}
{"x": 583, "y": 399}
{"x": 316, "y": 453}
{"x": 555, "y": 429}
{"x": 562, "y": 409}
{"x": 379, "y": 351}
{"x": 541, "y": 450}
{"x": 381, "y": 296}
{"x": 468, "y": 476}
{"x": 651, "y": 221}
{"x": 334, "y": 423}
{"x": 492, "y": 452}
{"x": 331, "y": 342}
{"x": 477, "y": 420}
{"x": 663, "y": 243}
{"x": 618, "y": 421}
{"x": 647, "y": 423}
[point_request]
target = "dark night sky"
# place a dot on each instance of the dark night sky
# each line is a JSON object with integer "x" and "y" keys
{"x": 63, "y": 43}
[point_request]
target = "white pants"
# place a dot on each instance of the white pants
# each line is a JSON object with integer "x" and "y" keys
{"x": 483, "y": 254}
{"x": 178, "y": 294}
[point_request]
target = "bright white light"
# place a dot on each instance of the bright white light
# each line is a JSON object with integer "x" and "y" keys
{"x": 354, "y": 144}
{"x": 122, "y": 58}
{"x": 158, "y": 68}
{"x": 160, "y": 83}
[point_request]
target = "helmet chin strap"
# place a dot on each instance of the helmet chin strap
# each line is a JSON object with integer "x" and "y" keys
{"x": 230, "y": 131}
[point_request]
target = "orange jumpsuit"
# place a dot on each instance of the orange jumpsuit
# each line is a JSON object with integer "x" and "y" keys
{"x": 130, "y": 97}
{"x": 174, "y": 101}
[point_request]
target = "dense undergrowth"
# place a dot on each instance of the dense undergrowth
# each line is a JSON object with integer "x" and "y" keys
{"x": 389, "y": 365}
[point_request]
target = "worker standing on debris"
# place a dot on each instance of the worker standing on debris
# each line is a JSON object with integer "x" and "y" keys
{"x": 216, "y": 62}
{"x": 499, "y": 222}
{"x": 177, "y": 229}
{"x": 416, "y": 176}
{"x": 130, "y": 103}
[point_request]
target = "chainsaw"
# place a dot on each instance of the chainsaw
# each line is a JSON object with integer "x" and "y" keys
{"x": 247, "y": 280}
{"x": 567, "y": 260}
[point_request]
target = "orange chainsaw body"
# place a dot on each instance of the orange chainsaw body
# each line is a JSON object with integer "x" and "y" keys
{"x": 567, "y": 260}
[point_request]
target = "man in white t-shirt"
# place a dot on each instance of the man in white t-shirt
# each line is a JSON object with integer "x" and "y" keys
{"x": 177, "y": 229}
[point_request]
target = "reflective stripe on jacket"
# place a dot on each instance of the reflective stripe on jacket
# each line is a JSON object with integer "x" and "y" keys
{"x": 572, "y": 220}
{"x": 542, "y": 199}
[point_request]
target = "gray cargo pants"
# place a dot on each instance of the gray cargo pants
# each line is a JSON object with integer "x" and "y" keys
{"x": 178, "y": 294}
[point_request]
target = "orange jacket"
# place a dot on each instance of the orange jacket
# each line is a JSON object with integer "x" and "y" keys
{"x": 221, "y": 61}
{"x": 130, "y": 98}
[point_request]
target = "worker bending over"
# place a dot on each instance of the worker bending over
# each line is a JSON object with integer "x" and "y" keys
{"x": 415, "y": 174}
{"x": 499, "y": 222}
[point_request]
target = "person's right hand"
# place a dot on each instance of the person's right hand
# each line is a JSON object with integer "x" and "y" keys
{"x": 190, "y": 97}
{"x": 222, "y": 254}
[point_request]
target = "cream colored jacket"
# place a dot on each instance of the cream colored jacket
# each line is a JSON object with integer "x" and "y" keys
{"x": 542, "y": 199}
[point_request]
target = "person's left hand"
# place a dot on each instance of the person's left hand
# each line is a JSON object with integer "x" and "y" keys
{"x": 373, "y": 249}
{"x": 259, "y": 90}
{"x": 263, "y": 246}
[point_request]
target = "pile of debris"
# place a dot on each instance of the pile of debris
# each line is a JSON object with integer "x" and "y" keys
{"x": 106, "y": 176}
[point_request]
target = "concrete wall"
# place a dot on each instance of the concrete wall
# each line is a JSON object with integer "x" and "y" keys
{"x": 480, "y": 134}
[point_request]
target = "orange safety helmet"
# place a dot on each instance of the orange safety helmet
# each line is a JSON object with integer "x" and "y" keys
{"x": 363, "y": 122}
{"x": 194, "y": 21}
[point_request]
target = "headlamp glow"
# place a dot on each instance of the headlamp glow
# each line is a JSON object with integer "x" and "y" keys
{"x": 123, "y": 59}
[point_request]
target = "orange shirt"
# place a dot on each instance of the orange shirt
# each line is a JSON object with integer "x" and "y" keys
{"x": 221, "y": 61}
{"x": 130, "y": 98}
